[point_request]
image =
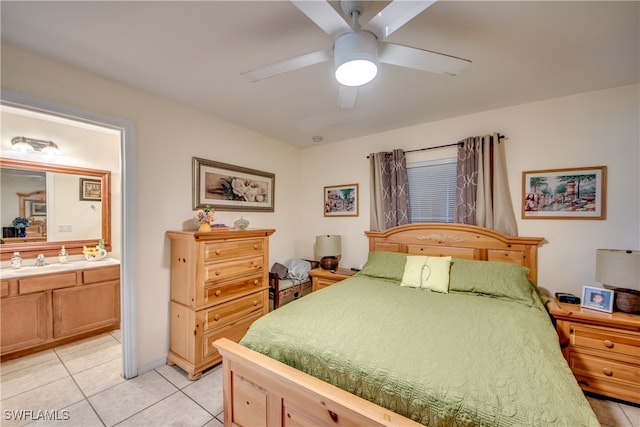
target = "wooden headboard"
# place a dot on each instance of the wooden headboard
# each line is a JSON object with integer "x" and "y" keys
{"x": 458, "y": 241}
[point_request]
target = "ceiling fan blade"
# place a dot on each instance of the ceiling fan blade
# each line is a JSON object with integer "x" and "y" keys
{"x": 394, "y": 16}
{"x": 348, "y": 95}
{"x": 290, "y": 64}
{"x": 420, "y": 59}
{"x": 324, "y": 16}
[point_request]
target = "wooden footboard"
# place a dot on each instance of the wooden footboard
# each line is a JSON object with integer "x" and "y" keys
{"x": 260, "y": 391}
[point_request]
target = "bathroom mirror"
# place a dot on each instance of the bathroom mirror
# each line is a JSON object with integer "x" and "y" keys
{"x": 67, "y": 206}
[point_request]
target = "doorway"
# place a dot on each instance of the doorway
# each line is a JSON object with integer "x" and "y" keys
{"x": 125, "y": 130}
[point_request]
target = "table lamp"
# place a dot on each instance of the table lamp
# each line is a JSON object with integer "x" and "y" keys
{"x": 328, "y": 249}
{"x": 619, "y": 270}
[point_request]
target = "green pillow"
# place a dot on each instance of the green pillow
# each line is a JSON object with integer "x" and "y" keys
{"x": 385, "y": 265}
{"x": 427, "y": 272}
{"x": 498, "y": 279}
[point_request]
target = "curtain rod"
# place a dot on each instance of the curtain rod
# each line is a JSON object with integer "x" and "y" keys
{"x": 442, "y": 146}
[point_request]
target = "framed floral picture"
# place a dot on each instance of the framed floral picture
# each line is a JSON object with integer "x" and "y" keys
{"x": 227, "y": 187}
{"x": 577, "y": 193}
{"x": 341, "y": 200}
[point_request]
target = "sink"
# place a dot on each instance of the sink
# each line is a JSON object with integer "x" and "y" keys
{"x": 28, "y": 270}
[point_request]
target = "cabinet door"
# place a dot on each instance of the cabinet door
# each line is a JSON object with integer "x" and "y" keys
{"x": 26, "y": 321}
{"x": 84, "y": 308}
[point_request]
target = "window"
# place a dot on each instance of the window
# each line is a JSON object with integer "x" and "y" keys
{"x": 432, "y": 191}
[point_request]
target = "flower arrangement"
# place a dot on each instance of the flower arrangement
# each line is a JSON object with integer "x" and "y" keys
{"x": 19, "y": 222}
{"x": 207, "y": 215}
{"x": 247, "y": 190}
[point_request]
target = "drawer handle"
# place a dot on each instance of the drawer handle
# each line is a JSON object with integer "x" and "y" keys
{"x": 255, "y": 302}
{"x": 608, "y": 344}
{"x": 218, "y": 292}
{"x": 255, "y": 247}
{"x": 607, "y": 371}
{"x": 255, "y": 282}
{"x": 216, "y": 317}
{"x": 217, "y": 273}
{"x": 218, "y": 251}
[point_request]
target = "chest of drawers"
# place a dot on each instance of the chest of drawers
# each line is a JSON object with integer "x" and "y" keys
{"x": 602, "y": 349}
{"x": 219, "y": 287}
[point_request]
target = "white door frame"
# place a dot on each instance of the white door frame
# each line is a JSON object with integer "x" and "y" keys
{"x": 127, "y": 164}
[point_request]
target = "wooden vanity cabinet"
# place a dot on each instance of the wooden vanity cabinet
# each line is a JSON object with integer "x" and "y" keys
{"x": 26, "y": 321}
{"x": 219, "y": 287}
{"x": 45, "y": 310}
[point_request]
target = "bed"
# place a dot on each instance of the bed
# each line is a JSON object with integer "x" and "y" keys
{"x": 393, "y": 345}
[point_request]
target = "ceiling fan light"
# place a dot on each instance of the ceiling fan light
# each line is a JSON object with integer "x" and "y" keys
{"x": 355, "y": 57}
{"x": 356, "y": 73}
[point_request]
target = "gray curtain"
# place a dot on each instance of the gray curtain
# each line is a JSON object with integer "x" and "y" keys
{"x": 467, "y": 180}
{"x": 482, "y": 185}
{"x": 389, "y": 190}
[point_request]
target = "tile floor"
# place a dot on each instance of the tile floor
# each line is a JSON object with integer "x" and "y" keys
{"x": 80, "y": 385}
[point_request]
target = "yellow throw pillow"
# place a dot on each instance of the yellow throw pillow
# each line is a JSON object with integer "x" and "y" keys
{"x": 427, "y": 272}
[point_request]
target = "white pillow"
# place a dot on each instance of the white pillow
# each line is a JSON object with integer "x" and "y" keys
{"x": 427, "y": 272}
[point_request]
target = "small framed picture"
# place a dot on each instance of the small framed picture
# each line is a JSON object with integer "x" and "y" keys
{"x": 597, "y": 299}
{"x": 90, "y": 189}
{"x": 341, "y": 200}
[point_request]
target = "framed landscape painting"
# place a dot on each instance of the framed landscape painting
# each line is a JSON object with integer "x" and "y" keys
{"x": 227, "y": 187}
{"x": 577, "y": 193}
{"x": 341, "y": 200}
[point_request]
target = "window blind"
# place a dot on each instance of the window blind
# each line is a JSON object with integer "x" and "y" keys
{"x": 432, "y": 191}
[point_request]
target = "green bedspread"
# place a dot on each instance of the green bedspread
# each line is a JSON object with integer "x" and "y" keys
{"x": 456, "y": 359}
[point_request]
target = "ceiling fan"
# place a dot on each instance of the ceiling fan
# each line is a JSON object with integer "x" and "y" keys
{"x": 363, "y": 47}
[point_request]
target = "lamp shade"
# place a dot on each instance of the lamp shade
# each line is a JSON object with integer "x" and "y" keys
{"x": 328, "y": 245}
{"x": 355, "y": 55}
{"x": 618, "y": 268}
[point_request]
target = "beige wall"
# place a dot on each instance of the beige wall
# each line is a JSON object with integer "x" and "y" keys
{"x": 599, "y": 128}
{"x": 167, "y": 136}
{"x": 589, "y": 129}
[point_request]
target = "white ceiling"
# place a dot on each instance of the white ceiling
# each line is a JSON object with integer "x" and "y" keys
{"x": 194, "y": 52}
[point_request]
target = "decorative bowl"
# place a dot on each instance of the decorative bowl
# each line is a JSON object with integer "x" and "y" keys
{"x": 329, "y": 262}
{"x": 240, "y": 224}
{"x": 94, "y": 254}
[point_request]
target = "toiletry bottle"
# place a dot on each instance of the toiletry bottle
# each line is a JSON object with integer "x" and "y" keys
{"x": 16, "y": 260}
{"x": 101, "y": 244}
{"x": 63, "y": 255}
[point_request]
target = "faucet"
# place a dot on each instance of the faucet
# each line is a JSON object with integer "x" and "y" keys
{"x": 40, "y": 261}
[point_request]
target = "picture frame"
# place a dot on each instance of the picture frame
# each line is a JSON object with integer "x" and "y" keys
{"x": 90, "y": 189}
{"x": 341, "y": 200}
{"x": 227, "y": 187}
{"x": 571, "y": 193}
{"x": 597, "y": 299}
{"x": 38, "y": 208}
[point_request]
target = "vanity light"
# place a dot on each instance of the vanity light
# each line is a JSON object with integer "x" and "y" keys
{"x": 29, "y": 145}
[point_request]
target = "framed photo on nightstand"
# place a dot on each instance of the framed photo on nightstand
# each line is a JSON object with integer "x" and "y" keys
{"x": 597, "y": 299}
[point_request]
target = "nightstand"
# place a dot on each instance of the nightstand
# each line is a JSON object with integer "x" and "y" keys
{"x": 602, "y": 349}
{"x": 321, "y": 278}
